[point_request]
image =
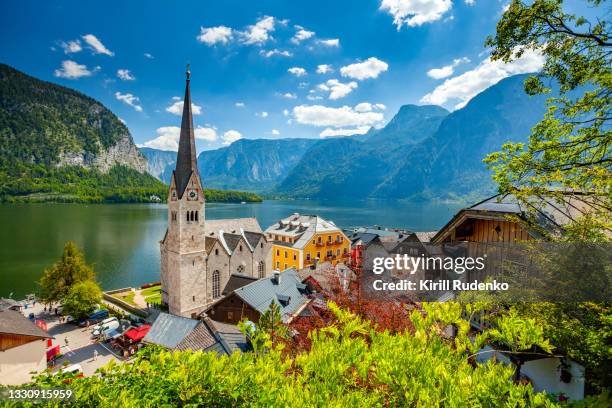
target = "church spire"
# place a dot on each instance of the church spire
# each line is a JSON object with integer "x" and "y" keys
{"x": 186, "y": 162}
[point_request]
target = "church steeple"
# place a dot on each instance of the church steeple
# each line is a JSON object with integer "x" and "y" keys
{"x": 186, "y": 162}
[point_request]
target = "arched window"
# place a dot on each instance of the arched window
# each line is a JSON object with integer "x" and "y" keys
{"x": 196, "y": 216}
{"x": 216, "y": 284}
{"x": 187, "y": 216}
{"x": 240, "y": 269}
{"x": 261, "y": 269}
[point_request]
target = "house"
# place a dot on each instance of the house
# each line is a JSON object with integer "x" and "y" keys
{"x": 299, "y": 241}
{"x": 181, "y": 333}
{"x": 23, "y": 348}
{"x": 252, "y": 300}
{"x": 326, "y": 277}
{"x": 7, "y": 303}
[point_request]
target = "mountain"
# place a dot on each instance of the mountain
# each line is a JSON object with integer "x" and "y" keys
{"x": 158, "y": 161}
{"x": 449, "y": 163}
{"x": 48, "y": 124}
{"x": 355, "y": 167}
{"x": 57, "y": 144}
{"x": 252, "y": 165}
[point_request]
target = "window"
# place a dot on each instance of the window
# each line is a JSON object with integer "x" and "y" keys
{"x": 261, "y": 245}
{"x": 240, "y": 269}
{"x": 196, "y": 216}
{"x": 319, "y": 255}
{"x": 193, "y": 298}
{"x": 319, "y": 240}
{"x": 230, "y": 315}
{"x": 285, "y": 266}
{"x": 187, "y": 214}
{"x": 216, "y": 251}
{"x": 294, "y": 257}
{"x": 330, "y": 253}
{"x": 277, "y": 265}
{"x": 216, "y": 284}
{"x": 308, "y": 257}
{"x": 337, "y": 252}
{"x": 240, "y": 248}
{"x": 344, "y": 251}
{"x": 286, "y": 254}
{"x": 329, "y": 239}
{"x": 261, "y": 269}
{"x": 173, "y": 216}
{"x": 277, "y": 252}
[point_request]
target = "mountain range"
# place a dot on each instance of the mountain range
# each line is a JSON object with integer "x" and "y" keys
{"x": 424, "y": 152}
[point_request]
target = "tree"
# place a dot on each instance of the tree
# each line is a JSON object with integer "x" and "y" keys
{"x": 569, "y": 150}
{"x": 71, "y": 269}
{"x": 82, "y": 299}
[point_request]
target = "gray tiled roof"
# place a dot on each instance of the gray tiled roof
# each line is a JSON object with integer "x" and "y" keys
{"x": 261, "y": 293}
{"x": 200, "y": 338}
{"x": 231, "y": 240}
{"x": 13, "y": 322}
{"x": 236, "y": 281}
{"x": 231, "y": 225}
{"x": 170, "y": 330}
{"x": 252, "y": 237}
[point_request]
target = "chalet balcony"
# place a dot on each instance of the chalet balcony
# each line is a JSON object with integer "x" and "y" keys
{"x": 320, "y": 244}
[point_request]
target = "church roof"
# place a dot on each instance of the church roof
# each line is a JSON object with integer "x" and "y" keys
{"x": 186, "y": 162}
{"x": 232, "y": 225}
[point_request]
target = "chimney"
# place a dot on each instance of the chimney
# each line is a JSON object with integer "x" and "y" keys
{"x": 277, "y": 278}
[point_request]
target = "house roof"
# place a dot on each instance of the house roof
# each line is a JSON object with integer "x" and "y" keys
{"x": 13, "y": 322}
{"x": 426, "y": 236}
{"x": 169, "y": 330}
{"x": 361, "y": 237}
{"x": 302, "y": 227}
{"x": 550, "y": 214}
{"x": 262, "y": 292}
{"x": 232, "y": 225}
{"x": 9, "y": 304}
{"x": 236, "y": 281}
{"x": 180, "y": 333}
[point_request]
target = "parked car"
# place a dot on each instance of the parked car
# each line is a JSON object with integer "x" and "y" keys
{"x": 93, "y": 318}
{"x": 114, "y": 331}
{"x": 105, "y": 325}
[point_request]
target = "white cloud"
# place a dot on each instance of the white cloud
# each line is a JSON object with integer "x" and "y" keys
{"x": 448, "y": 70}
{"x": 239, "y": 104}
{"x": 96, "y": 45}
{"x": 370, "y": 68}
{"x": 168, "y": 137}
{"x": 415, "y": 12}
{"x": 72, "y": 70}
{"x": 263, "y": 114}
{"x": 324, "y": 69}
{"x": 324, "y": 116}
{"x": 301, "y": 34}
{"x": 363, "y": 107}
{"x": 122, "y": 121}
{"x": 259, "y": 33}
{"x": 380, "y": 106}
{"x": 465, "y": 86}
{"x": 297, "y": 71}
{"x": 231, "y": 136}
{"x": 215, "y": 35}
{"x": 125, "y": 75}
{"x": 332, "y": 42}
{"x": 314, "y": 97}
{"x": 285, "y": 112}
{"x": 149, "y": 56}
{"x": 329, "y": 132}
{"x": 71, "y": 46}
{"x": 275, "y": 132}
{"x": 177, "y": 107}
{"x": 129, "y": 99}
{"x": 289, "y": 95}
{"x": 470, "y": 2}
{"x": 337, "y": 89}
{"x": 275, "y": 51}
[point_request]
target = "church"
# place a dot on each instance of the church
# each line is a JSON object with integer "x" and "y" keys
{"x": 198, "y": 256}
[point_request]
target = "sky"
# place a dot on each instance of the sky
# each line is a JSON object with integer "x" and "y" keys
{"x": 259, "y": 69}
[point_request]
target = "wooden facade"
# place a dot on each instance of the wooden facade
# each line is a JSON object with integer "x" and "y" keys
{"x": 472, "y": 226}
{"x": 231, "y": 309}
{"x": 9, "y": 341}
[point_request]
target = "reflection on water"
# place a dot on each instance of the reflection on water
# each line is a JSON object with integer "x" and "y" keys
{"x": 122, "y": 239}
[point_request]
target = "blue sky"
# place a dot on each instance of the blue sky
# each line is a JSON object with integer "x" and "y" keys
{"x": 254, "y": 63}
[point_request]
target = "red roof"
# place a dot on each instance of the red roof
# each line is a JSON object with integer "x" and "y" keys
{"x": 138, "y": 333}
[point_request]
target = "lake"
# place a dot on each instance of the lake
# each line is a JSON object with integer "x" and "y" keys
{"x": 121, "y": 240}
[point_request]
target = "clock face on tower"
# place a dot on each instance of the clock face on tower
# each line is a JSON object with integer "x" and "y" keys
{"x": 192, "y": 195}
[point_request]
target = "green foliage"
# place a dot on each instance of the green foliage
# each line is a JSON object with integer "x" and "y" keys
{"x": 570, "y": 148}
{"x": 349, "y": 364}
{"x": 56, "y": 281}
{"x": 82, "y": 299}
{"x": 39, "y": 120}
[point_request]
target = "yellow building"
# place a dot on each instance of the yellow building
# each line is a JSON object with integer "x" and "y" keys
{"x": 299, "y": 241}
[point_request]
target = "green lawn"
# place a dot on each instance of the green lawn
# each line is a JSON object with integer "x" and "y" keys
{"x": 127, "y": 297}
{"x": 152, "y": 294}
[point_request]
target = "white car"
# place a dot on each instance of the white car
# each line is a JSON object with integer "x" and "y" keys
{"x": 105, "y": 326}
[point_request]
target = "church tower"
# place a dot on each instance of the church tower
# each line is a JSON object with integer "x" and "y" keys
{"x": 183, "y": 253}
